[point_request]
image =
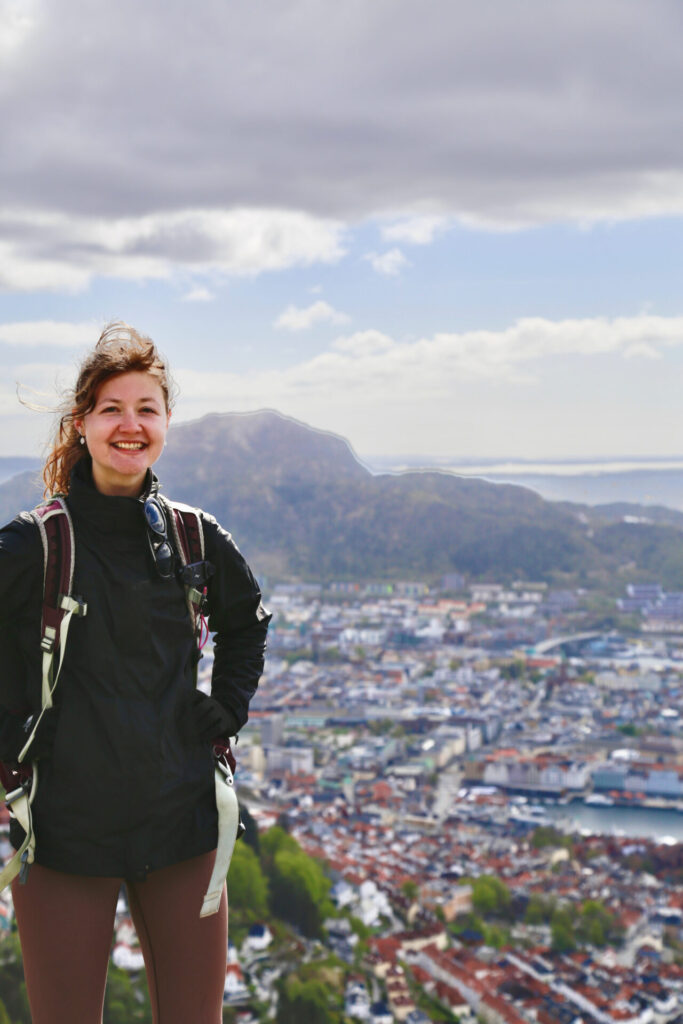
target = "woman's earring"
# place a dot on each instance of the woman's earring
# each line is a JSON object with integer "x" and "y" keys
{"x": 82, "y": 441}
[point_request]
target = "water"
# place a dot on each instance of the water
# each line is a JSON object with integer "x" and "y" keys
{"x": 636, "y": 822}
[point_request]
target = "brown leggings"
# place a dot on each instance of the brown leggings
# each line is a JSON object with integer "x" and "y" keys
{"x": 66, "y": 924}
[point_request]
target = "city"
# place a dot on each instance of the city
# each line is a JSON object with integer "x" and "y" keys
{"x": 489, "y": 780}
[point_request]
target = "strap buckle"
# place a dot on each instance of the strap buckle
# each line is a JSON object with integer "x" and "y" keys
{"x": 25, "y": 865}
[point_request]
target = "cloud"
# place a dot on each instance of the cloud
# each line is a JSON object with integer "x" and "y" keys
{"x": 293, "y": 318}
{"x": 567, "y": 112}
{"x": 17, "y": 20}
{"x": 375, "y": 370}
{"x": 26, "y": 333}
{"x": 198, "y": 294}
{"x": 59, "y": 251}
{"x": 477, "y": 391}
{"x": 414, "y": 230}
{"x": 388, "y": 263}
{"x": 364, "y": 343}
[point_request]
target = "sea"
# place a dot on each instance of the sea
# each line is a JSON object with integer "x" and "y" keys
{"x": 634, "y": 822}
{"x": 640, "y": 480}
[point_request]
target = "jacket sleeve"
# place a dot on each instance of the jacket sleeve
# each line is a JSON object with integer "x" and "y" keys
{"x": 21, "y": 580}
{"x": 239, "y": 621}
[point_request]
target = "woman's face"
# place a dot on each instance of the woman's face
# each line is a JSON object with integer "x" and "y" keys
{"x": 125, "y": 431}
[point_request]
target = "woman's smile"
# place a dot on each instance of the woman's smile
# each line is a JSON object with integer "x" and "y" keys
{"x": 125, "y": 431}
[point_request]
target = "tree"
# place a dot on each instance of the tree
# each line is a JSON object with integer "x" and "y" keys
{"x": 562, "y": 929}
{"x": 538, "y": 909}
{"x": 12, "y": 985}
{"x": 125, "y": 1001}
{"x": 548, "y": 835}
{"x": 251, "y": 836}
{"x": 596, "y": 923}
{"x": 409, "y": 889}
{"x": 490, "y": 895}
{"x": 247, "y": 885}
{"x": 299, "y": 891}
{"x": 274, "y": 840}
{"x": 307, "y": 1001}
{"x": 562, "y": 938}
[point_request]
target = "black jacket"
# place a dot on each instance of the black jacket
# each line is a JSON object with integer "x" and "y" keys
{"x": 128, "y": 789}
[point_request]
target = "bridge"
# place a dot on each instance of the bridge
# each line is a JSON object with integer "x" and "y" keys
{"x": 560, "y": 641}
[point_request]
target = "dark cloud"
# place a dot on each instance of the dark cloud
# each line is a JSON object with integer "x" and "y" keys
{"x": 488, "y": 108}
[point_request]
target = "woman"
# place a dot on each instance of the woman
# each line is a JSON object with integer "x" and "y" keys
{"x": 126, "y": 788}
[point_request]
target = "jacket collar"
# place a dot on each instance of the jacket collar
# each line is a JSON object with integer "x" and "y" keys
{"x": 106, "y": 512}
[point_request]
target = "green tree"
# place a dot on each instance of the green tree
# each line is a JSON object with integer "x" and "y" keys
{"x": 4, "y": 1015}
{"x": 490, "y": 895}
{"x": 126, "y": 1001}
{"x": 538, "y": 909}
{"x": 12, "y": 985}
{"x": 307, "y": 1001}
{"x": 274, "y": 840}
{"x": 548, "y": 835}
{"x": 247, "y": 885}
{"x": 299, "y": 890}
{"x": 251, "y": 836}
{"x": 596, "y": 923}
{"x": 409, "y": 889}
{"x": 595, "y": 932}
{"x": 563, "y": 940}
{"x": 495, "y": 936}
{"x": 562, "y": 929}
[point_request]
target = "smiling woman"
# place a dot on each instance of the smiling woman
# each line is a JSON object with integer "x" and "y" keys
{"x": 125, "y": 432}
{"x": 121, "y": 405}
{"x": 126, "y": 750}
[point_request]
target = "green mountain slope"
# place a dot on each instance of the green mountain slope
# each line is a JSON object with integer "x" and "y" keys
{"x": 300, "y": 504}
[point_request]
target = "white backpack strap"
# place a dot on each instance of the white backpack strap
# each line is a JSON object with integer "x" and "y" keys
{"x": 228, "y": 825}
{"x": 19, "y": 802}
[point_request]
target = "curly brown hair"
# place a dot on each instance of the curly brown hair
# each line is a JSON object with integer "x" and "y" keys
{"x": 119, "y": 349}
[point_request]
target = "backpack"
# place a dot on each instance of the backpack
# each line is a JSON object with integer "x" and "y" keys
{"x": 53, "y": 520}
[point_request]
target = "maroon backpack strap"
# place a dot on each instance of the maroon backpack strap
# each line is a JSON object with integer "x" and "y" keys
{"x": 179, "y": 523}
{"x": 191, "y": 533}
{"x": 189, "y": 543}
{"x": 59, "y": 605}
{"x": 58, "y": 561}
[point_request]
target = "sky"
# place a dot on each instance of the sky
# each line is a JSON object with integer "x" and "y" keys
{"x": 447, "y": 228}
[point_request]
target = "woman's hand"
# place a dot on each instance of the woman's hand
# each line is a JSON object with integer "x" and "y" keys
{"x": 210, "y": 719}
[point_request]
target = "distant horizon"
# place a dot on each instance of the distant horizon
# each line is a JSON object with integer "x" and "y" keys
{"x": 571, "y": 465}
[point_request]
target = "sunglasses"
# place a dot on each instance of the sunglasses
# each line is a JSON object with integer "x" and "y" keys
{"x": 157, "y": 535}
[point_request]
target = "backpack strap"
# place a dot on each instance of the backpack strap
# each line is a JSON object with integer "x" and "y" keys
{"x": 188, "y": 533}
{"x": 195, "y": 574}
{"x": 59, "y": 605}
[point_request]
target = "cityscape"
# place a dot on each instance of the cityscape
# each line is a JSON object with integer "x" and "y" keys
{"x": 414, "y": 268}
{"x": 482, "y": 787}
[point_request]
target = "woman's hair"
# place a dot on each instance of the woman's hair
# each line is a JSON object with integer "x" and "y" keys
{"x": 119, "y": 349}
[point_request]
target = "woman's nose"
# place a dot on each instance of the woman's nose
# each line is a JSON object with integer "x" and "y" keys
{"x": 129, "y": 420}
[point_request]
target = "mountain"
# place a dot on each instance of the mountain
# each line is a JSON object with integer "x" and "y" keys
{"x": 10, "y": 465}
{"x": 19, "y": 492}
{"x": 300, "y": 503}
